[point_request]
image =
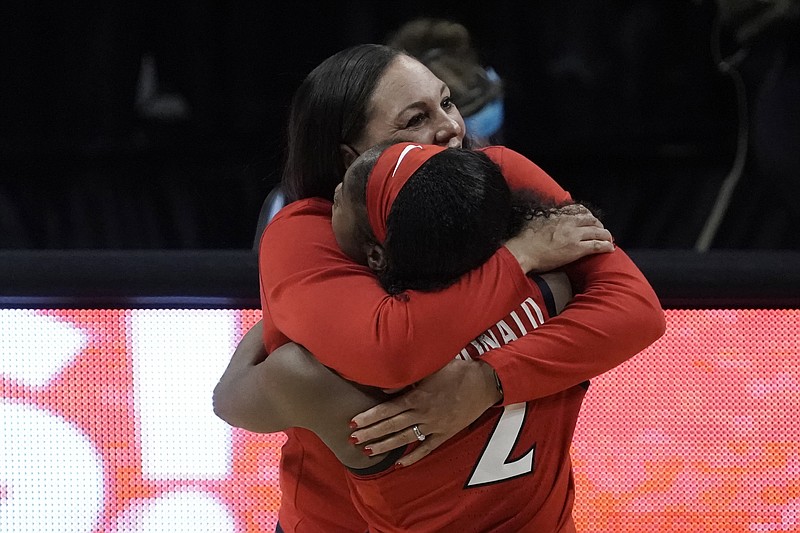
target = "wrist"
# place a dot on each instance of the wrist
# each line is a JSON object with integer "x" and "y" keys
{"x": 498, "y": 386}
{"x": 526, "y": 262}
{"x": 491, "y": 384}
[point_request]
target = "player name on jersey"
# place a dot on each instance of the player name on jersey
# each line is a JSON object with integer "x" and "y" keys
{"x": 525, "y": 318}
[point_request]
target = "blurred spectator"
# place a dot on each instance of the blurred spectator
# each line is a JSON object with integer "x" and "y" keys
{"x": 170, "y": 114}
{"x": 759, "y": 48}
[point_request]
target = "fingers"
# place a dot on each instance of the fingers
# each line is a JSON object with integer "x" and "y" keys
{"x": 586, "y": 219}
{"x": 596, "y": 222}
{"x": 594, "y": 240}
{"x": 600, "y": 247}
{"x": 395, "y": 440}
{"x": 388, "y": 425}
{"x": 586, "y": 233}
{"x": 380, "y": 412}
{"x": 599, "y": 234}
{"x": 595, "y": 246}
{"x": 564, "y": 220}
{"x": 426, "y": 447}
{"x": 387, "y": 430}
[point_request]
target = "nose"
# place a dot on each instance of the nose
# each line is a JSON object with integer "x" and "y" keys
{"x": 449, "y": 133}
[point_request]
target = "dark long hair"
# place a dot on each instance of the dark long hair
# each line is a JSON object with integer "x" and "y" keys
{"x": 329, "y": 108}
{"x": 449, "y": 218}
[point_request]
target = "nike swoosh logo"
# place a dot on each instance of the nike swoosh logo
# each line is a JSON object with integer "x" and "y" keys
{"x": 403, "y": 154}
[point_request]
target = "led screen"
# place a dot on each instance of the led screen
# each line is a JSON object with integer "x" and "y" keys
{"x": 108, "y": 427}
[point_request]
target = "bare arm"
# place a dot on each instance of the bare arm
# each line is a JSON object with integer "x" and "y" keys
{"x": 240, "y": 397}
{"x": 292, "y": 390}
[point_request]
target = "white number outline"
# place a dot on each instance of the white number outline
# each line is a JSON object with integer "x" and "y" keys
{"x": 495, "y": 464}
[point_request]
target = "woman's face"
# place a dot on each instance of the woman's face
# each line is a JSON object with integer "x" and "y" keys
{"x": 411, "y": 104}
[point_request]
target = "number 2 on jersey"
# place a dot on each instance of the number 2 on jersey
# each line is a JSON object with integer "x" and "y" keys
{"x": 494, "y": 464}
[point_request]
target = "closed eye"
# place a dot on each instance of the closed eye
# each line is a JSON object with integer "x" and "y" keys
{"x": 416, "y": 120}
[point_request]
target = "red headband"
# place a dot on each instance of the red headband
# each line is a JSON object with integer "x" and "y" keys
{"x": 391, "y": 172}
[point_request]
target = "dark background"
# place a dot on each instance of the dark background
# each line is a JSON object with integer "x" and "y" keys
{"x": 159, "y": 125}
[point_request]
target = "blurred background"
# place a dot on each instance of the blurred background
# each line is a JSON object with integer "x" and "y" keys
{"x": 159, "y": 124}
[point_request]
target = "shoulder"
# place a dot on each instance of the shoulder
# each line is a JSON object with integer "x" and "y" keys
{"x": 306, "y": 207}
{"x": 307, "y": 220}
{"x": 510, "y": 160}
{"x": 309, "y": 211}
{"x": 522, "y": 173}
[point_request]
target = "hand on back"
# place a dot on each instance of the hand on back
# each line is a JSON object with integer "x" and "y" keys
{"x": 551, "y": 242}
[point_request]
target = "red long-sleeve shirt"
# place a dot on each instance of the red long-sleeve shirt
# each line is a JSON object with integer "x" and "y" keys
{"x": 509, "y": 471}
{"x": 315, "y": 296}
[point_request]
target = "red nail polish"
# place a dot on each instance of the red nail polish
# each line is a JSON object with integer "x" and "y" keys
{"x": 398, "y": 465}
{"x": 353, "y": 439}
{"x": 367, "y": 451}
{"x": 353, "y": 424}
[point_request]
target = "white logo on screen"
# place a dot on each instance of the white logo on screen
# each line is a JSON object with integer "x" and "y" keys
{"x": 51, "y": 472}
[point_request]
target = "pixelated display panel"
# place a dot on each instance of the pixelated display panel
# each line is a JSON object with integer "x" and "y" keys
{"x": 108, "y": 427}
{"x": 699, "y": 433}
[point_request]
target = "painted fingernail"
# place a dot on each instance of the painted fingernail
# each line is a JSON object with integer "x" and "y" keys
{"x": 353, "y": 424}
{"x": 399, "y": 465}
{"x": 353, "y": 439}
{"x": 367, "y": 451}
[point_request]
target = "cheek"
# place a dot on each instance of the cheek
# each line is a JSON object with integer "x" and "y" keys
{"x": 423, "y": 136}
{"x": 342, "y": 231}
{"x": 375, "y": 133}
{"x": 460, "y": 121}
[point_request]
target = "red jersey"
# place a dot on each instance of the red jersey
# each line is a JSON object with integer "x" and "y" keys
{"x": 314, "y": 295}
{"x": 509, "y": 471}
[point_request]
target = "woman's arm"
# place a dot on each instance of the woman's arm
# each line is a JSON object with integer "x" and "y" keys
{"x": 304, "y": 393}
{"x": 301, "y": 393}
{"x": 614, "y": 316}
{"x": 463, "y": 383}
{"x": 577, "y": 345}
{"x": 313, "y": 308}
{"x": 338, "y": 311}
{"x": 317, "y": 297}
{"x": 244, "y": 395}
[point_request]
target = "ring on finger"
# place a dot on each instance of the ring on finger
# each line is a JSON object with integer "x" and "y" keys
{"x": 420, "y": 436}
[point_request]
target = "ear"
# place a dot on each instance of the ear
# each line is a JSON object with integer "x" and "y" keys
{"x": 348, "y": 155}
{"x": 376, "y": 258}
